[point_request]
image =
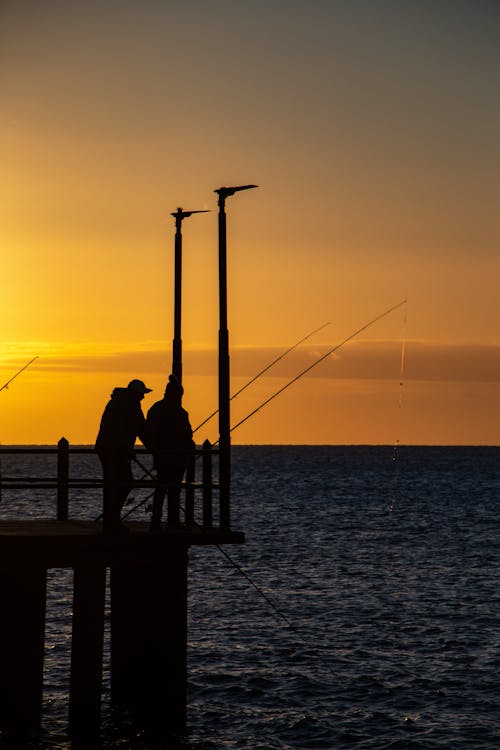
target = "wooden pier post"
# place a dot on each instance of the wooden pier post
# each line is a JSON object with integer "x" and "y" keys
{"x": 149, "y": 640}
{"x": 22, "y": 629}
{"x": 87, "y": 650}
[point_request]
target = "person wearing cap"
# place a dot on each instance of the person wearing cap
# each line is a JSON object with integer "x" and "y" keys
{"x": 170, "y": 440}
{"x": 122, "y": 422}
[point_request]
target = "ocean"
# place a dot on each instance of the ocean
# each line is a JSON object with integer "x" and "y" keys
{"x": 371, "y": 618}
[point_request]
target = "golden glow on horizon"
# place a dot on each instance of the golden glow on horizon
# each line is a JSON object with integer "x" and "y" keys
{"x": 63, "y": 393}
{"x": 40, "y": 411}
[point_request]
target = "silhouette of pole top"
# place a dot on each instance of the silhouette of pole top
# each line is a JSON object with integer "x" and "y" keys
{"x": 179, "y": 215}
{"x": 225, "y": 192}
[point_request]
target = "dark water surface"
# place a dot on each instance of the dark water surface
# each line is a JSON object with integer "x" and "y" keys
{"x": 384, "y": 624}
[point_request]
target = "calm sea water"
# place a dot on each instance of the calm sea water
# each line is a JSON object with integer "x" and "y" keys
{"x": 381, "y": 623}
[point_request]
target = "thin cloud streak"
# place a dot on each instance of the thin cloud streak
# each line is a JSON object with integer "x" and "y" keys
{"x": 358, "y": 361}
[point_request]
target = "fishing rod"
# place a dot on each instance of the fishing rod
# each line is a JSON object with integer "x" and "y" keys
{"x": 141, "y": 502}
{"x": 136, "y": 507}
{"x": 6, "y": 385}
{"x": 259, "y": 374}
{"x": 317, "y": 362}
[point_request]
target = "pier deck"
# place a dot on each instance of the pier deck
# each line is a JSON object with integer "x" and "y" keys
{"x": 60, "y": 544}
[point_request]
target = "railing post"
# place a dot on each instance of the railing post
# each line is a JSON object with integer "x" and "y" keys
{"x": 190, "y": 473}
{"x": 207, "y": 485}
{"x": 62, "y": 479}
{"x": 224, "y": 486}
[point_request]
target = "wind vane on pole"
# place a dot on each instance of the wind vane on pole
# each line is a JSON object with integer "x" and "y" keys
{"x": 224, "y": 395}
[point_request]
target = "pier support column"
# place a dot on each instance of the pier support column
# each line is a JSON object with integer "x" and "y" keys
{"x": 149, "y": 640}
{"x": 87, "y": 650}
{"x": 22, "y": 629}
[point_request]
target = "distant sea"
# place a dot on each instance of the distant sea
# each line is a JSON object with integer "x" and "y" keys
{"x": 376, "y": 620}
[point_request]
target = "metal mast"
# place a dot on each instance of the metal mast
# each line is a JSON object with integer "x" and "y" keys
{"x": 179, "y": 215}
{"x": 224, "y": 395}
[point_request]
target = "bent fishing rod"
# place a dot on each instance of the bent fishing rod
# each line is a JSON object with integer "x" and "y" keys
{"x": 317, "y": 362}
{"x": 265, "y": 369}
{"x": 6, "y": 385}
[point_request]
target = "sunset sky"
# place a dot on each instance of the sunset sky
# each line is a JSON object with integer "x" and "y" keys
{"x": 372, "y": 129}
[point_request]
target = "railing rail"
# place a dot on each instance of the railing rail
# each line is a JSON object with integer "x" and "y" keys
{"x": 198, "y": 480}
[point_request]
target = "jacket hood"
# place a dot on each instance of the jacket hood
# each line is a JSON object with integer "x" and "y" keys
{"x": 124, "y": 394}
{"x": 118, "y": 392}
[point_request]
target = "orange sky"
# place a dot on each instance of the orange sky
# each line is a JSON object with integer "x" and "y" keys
{"x": 372, "y": 134}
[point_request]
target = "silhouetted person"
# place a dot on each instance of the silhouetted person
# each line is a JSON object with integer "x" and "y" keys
{"x": 121, "y": 423}
{"x": 170, "y": 440}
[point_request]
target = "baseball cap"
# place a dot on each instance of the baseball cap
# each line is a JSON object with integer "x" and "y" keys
{"x": 138, "y": 386}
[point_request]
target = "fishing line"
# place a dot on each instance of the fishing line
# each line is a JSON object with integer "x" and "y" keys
{"x": 395, "y": 451}
{"x": 269, "y": 601}
{"x": 235, "y": 565}
{"x": 268, "y": 367}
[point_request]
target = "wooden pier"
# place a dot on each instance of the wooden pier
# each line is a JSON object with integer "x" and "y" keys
{"x": 148, "y": 587}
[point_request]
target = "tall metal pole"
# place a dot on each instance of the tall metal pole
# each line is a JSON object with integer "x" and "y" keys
{"x": 179, "y": 215}
{"x": 224, "y": 367}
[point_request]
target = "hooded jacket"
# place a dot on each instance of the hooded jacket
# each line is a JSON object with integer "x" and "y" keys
{"x": 168, "y": 426}
{"x": 121, "y": 423}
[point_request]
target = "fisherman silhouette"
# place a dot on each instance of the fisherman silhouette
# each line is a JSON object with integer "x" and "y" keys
{"x": 170, "y": 441}
{"x": 121, "y": 423}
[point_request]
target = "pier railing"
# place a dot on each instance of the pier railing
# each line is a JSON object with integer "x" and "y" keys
{"x": 197, "y": 499}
